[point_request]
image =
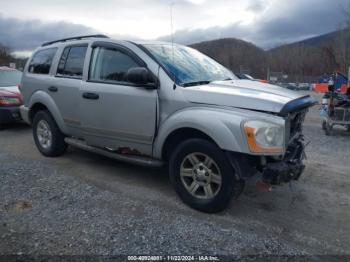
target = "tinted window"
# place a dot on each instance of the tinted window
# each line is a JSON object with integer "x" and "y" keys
{"x": 41, "y": 61}
{"x": 110, "y": 65}
{"x": 10, "y": 77}
{"x": 72, "y": 61}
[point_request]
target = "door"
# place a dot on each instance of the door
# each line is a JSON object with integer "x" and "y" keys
{"x": 114, "y": 112}
{"x": 67, "y": 84}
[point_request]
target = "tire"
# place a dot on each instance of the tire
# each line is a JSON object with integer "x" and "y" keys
{"x": 47, "y": 136}
{"x": 328, "y": 129}
{"x": 192, "y": 155}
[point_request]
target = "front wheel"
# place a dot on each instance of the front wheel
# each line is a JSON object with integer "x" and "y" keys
{"x": 202, "y": 176}
{"x": 47, "y": 136}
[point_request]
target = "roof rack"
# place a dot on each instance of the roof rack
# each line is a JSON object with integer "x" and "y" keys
{"x": 73, "y": 38}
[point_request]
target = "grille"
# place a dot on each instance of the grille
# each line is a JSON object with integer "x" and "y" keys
{"x": 296, "y": 121}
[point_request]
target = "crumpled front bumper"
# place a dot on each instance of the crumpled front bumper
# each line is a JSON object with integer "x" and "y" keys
{"x": 289, "y": 168}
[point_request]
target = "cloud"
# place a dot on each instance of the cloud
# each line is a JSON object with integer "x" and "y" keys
{"x": 256, "y": 6}
{"x": 22, "y": 35}
{"x": 199, "y": 35}
{"x": 280, "y": 23}
{"x": 266, "y": 23}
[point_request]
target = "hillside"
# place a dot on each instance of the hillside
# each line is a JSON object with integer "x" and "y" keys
{"x": 301, "y": 60}
{"x": 321, "y": 40}
{"x": 313, "y": 56}
{"x": 235, "y": 54}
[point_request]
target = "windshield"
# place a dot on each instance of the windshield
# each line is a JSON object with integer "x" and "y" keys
{"x": 189, "y": 66}
{"x": 10, "y": 78}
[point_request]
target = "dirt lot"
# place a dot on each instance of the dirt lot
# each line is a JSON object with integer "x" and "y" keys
{"x": 83, "y": 203}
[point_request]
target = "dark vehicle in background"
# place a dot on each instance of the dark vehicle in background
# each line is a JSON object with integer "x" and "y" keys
{"x": 10, "y": 96}
{"x": 296, "y": 86}
{"x": 245, "y": 77}
{"x": 249, "y": 77}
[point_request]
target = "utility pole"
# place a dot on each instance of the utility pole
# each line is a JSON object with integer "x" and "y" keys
{"x": 268, "y": 74}
{"x": 349, "y": 78}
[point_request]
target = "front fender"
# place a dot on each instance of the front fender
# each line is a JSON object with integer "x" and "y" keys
{"x": 45, "y": 99}
{"x": 223, "y": 126}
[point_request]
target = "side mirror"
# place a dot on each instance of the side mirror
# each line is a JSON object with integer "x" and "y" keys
{"x": 140, "y": 76}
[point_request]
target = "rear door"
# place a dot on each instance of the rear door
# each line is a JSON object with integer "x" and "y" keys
{"x": 65, "y": 88}
{"x": 114, "y": 112}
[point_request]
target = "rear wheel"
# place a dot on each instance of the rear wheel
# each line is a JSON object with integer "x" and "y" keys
{"x": 202, "y": 176}
{"x": 47, "y": 136}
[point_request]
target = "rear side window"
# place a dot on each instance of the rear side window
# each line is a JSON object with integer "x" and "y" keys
{"x": 41, "y": 61}
{"x": 72, "y": 62}
{"x": 110, "y": 65}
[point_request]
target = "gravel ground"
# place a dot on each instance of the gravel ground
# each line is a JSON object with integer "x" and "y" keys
{"x": 82, "y": 203}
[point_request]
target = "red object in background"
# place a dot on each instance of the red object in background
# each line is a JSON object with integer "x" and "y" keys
{"x": 16, "y": 101}
{"x": 344, "y": 89}
{"x": 264, "y": 81}
{"x": 321, "y": 88}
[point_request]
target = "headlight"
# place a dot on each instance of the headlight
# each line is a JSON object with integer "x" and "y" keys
{"x": 9, "y": 101}
{"x": 264, "y": 137}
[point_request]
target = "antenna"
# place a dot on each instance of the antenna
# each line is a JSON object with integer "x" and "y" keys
{"x": 172, "y": 39}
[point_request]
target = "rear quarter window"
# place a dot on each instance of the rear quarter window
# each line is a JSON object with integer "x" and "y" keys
{"x": 41, "y": 61}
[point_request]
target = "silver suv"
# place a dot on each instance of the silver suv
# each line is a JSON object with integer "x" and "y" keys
{"x": 153, "y": 103}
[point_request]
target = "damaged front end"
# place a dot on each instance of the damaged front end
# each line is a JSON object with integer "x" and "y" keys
{"x": 281, "y": 168}
{"x": 276, "y": 170}
{"x": 290, "y": 166}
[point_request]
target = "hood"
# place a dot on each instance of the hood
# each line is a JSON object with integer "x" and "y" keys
{"x": 10, "y": 90}
{"x": 246, "y": 94}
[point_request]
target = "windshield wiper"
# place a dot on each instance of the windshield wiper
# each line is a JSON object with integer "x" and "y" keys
{"x": 196, "y": 83}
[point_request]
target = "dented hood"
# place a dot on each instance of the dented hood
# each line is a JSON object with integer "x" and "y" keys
{"x": 248, "y": 95}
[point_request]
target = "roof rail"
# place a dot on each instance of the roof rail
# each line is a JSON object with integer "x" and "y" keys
{"x": 73, "y": 38}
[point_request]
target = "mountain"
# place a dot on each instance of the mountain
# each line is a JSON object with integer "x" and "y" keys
{"x": 302, "y": 61}
{"x": 321, "y": 40}
{"x": 235, "y": 54}
{"x": 313, "y": 56}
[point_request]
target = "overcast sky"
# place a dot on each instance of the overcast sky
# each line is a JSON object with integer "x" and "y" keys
{"x": 25, "y": 24}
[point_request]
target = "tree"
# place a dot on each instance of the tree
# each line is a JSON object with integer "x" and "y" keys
{"x": 5, "y": 56}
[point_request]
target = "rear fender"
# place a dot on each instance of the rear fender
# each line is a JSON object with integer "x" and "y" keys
{"x": 41, "y": 97}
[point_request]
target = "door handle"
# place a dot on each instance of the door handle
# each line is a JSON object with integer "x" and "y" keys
{"x": 93, "y": 96}
{"x": 53, "y": 89}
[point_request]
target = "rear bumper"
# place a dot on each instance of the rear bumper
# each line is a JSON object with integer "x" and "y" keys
{"x": 25, "y": 114}
{"x": 289, "y": 168}
{"x": 9, "y": 114}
